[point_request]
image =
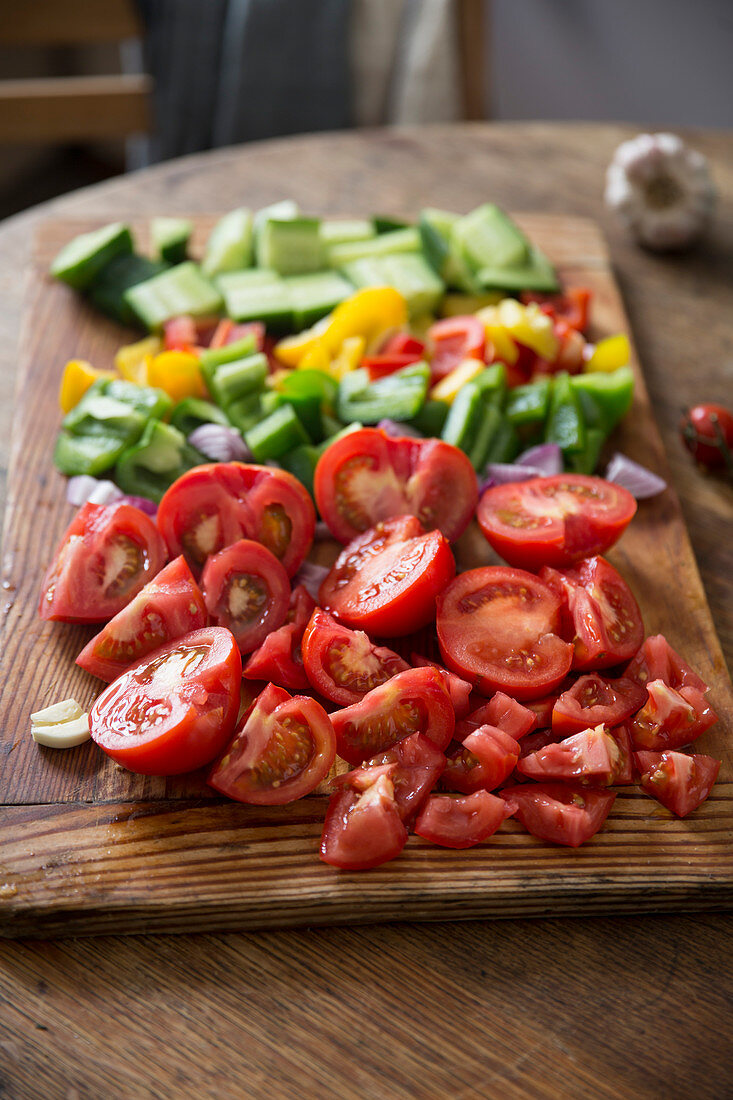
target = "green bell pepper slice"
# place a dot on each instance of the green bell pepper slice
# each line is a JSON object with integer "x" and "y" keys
{"x": 152, "y": 464}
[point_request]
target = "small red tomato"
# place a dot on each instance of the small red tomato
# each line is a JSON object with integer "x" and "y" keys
{"x": 707, "y": 432}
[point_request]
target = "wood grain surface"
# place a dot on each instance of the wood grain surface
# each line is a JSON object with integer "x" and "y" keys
{"x": 88, "y": 868}
{"x": 553, "y": 1008}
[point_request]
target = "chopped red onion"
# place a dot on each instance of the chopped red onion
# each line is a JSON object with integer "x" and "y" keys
{"x": 220, "y": 443}
{"x": 398, "y": 430}
{"x": 312, "y": 576}
{"x": 545, "y": 457}
{"x": 149, "y": 507}
{"x": 501, "y": 473}
{"x": 639, "y": 481}
{"x": 84, "y": 489}
{"x": 322, "y": 532}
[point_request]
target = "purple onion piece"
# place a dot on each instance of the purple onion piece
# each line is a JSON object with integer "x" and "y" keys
{"x": 311, "y": 576}
{"x": 84, "y": 489}
{"x": 501, "y": 473}
{"x": 220, "y": 443}
{"x": 322, "y": 532}
{"x": 149, "y": 507}
{"x": 630, "y": 475}
{"x": 397, "y": 430}
{"x": 546, "y": 458}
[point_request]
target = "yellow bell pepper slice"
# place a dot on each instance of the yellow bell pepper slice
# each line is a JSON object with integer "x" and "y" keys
{"x": 370, "y": 313}
{"x": 292, "y": 349}
{"x": 610, "y": 354}
{"x": 130, "y": 359}
{"x": 447, "y": 388}
{"x": 529, "y": 326}
{"x": 458, "y": 305}
{"x": 78, "y": 376}
{"x": 317, "y": 357}
{"x": 349, "y": 357}
{"x": 178, "y": 373}
{"x": 505, "y": 349}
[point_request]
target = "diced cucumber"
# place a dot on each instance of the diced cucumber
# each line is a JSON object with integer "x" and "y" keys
{"x": 385, "y": 244}
{"x": 192, "y": 412}
{"x": 210, "y": 358}
{"x": 281, "y": 211}
{"x": 313, "y": 296}
{"x": 399, "y": 396}
{"x": 231, "y": 381}
{"x": 385, "y": 223}
{"x": 170, "y": 237}
{"x": 246, "y": 411}
{"x": 487, "y": 237}
{"x": 81, "y": 260}
{"x": 181, "y": 289}
{"x": 291, "y": 247}
{"x": 107, "y": 292}
{"x": 435, "y": 233}
{"x": 410, "y": 273}
{"x": 257, "y": 295}
{"x": 537, "y": 274}
{"x": 276, "y": 435}
{"x": 343, "y": 230}
{"x": 229, "y": 247}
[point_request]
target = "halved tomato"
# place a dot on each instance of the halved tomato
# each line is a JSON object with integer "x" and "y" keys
{"x": 386, "y": 580}
{"x": 554, "y": 520}
{"x": 560, "y": 812}
{"x": 461, "y": 822}
{"x": 413, "y": 766}
{"x": 210, "y": 507}
{"x": 498, "y": 628}
{"x": 168, "y": 607}
{"x": 486, "y": 758}
{"x": 594, "y": 700}
{"x": 362, "y": 830}
{"x": 591, "y": 756}
{"x": 279, "y": 659}
{"x": 669, "y": 718}
{"x": 342, "y": 664}
{"x": 367, "y": 476}
{"x": 415, "y": 701}
{"x": 247, "y": 590}
{"x": 173, "y": 711}
{"x": 656, "y": 660}
{"x": 454, "y": 339}
{"x": 605, "y": 619}
{"x": 108, "y": 553}
{"x": 283, "y": 748}
{"x": 679, "y": 782}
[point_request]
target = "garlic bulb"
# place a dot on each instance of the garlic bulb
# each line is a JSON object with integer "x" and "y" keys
{"x": 661, "y": 189}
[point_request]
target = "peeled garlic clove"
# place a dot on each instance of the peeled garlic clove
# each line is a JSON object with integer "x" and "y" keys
{"x": 60, "y": 726}
{"x": 65, "y": 711}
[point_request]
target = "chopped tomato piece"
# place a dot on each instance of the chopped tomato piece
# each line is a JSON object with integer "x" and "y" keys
{"x": 415, "y": 701}
{"x": 283, "y": 748}
{"x": 279, "y": 659}
{"x": 505, "y": 713}
{"x": 462, "y": 822}
{"x": 403, "y": 343}
{"x": 342, "y": 664}
{"x": 554, "y": 520}
{"x": 458, "y": 689}
{"x": 656, "y": 660}
{"x": 592, "y": 756}
{"x": 247, "y": 590}
{"x": 625, "y": 768}
{"x": 594, "y": 700}
{"x": 185, "y": 333}
{"x": 454, "y": 339}
{"x": 560, "y": 812}
{"x": 572, "y": 306}
{"x": 487, "y": 757}
{"x": 669, "y": 718}
{"x": 413, "y": 765}
{"x": 379, "y": 366}
{"x": 679, "y": 782}
{"x": 363, "y": 830}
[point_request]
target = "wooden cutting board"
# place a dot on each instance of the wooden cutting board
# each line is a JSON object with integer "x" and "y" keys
{"x": 86, "y": 847}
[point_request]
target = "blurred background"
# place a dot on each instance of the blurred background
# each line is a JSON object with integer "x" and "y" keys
{"x": 92, "y": 88}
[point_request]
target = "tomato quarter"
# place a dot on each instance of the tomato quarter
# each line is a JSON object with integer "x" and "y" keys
{"x": 593, "y": 700}
{"x": 591, "y": 756}
{"x": 560, "y": 812}
{"x": 679, "y": 782}
{"x": 279, "y": 658}
{"x": 363, "y": 830}
{"x": 342, "y": 664}
{"x": 247, "y": 590}
{"x": 455, "y": 822}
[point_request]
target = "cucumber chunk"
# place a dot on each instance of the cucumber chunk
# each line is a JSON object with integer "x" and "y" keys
{"x": 81, "y": 260}
{"x": 410, "y": 273}
{"x": 291, "y": 247}
{"x": 257, "y": 295}
{"x": 487, "y": 237}
{"x": 313, "y": 296}
{"x": 386, "y": 244}
{"x": 107, "y": 292}
{"x": 229, "y": 247}
{"x": 170, "y": 237}
{"x": 181, "y": 289}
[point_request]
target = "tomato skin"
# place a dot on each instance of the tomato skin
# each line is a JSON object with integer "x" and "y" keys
{"x": 282, "y": 749}
{"x": 497, "y": 627}
{"x": 680, "y": 782}
{"x": 458, "y": 689}
{"x": 211, "y": 506}
{"x": 413, "y": 766}
{"x": 366, "y": 477}
{"x": 461, "y": 822}
{"x": 342, "y": 664}
{"x": 503, "y": 712}
{"x": 701, "y": 429}
{"x": 487, "y": 757}
{"x": 454, "y": 339}
{"x": 386, "y": 581}
{"x": 591, "y": 756}
{"x": 379, "y": 366}
{"x": 279, "y": 659}
{"x": 178, "y": 719}
{"x": 77, "y": 587}
{"x": 246, "y": 571}
{"x": 656, "y": 660}
{"x": 415, "y": 701}
{"x": 169, "y": 606}
{"x": 670, "y": 719}
{"x": 594, "y": 700}
{"x": 362, "y": 830}
{"x": 403, "y": 343}
{"x": 554, "y": 521}
{"x": 572, "y": 307}
{"x": 604, "y": 617}
{"x": 561, "y": 813}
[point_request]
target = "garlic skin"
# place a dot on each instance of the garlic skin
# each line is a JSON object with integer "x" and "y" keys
{"x": 661, "y": 189}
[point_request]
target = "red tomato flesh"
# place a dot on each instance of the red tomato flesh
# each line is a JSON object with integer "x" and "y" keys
{"x": 487, "y": 757}
{"x": 554, "y": 520}
{"x": 173, "y": 711}
{"x": 386, "y": 581}
{"x": 363, "y": 830}
{"x": 283, "y": 748}
{"x": 592, "y": 756}
{"x": 594, "y": 700}
{"x": 560, "y": 812}
{"x": 670, "y": 719}
{"x": 656, "y": 660}
{"x": 210, "y": 507}
{"x": 679, "y": 782}
{"x": 415, "y": 701}
{"x": 454, "y": 339}
{"x": 168, "y": 607}
{"x": 604, "y": 618}
{"x": 247, "y": 590}
{"x": 458, "y": 689}
{"x": 503, "y": 712}
{"x": 461, "y": 822}
{"x": 413, "y": 766}
{"x": 342, "y": 664}
{"x": 367, "y": 476}
{"x": 107, "y": 554}
{"x": 279, "y": 659}
{"x": 498, "y": 627}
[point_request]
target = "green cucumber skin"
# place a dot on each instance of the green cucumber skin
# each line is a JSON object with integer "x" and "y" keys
{"x": 80, "y": 261}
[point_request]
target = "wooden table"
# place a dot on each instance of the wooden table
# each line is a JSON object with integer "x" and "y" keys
{"x": 602, "y": 1008}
